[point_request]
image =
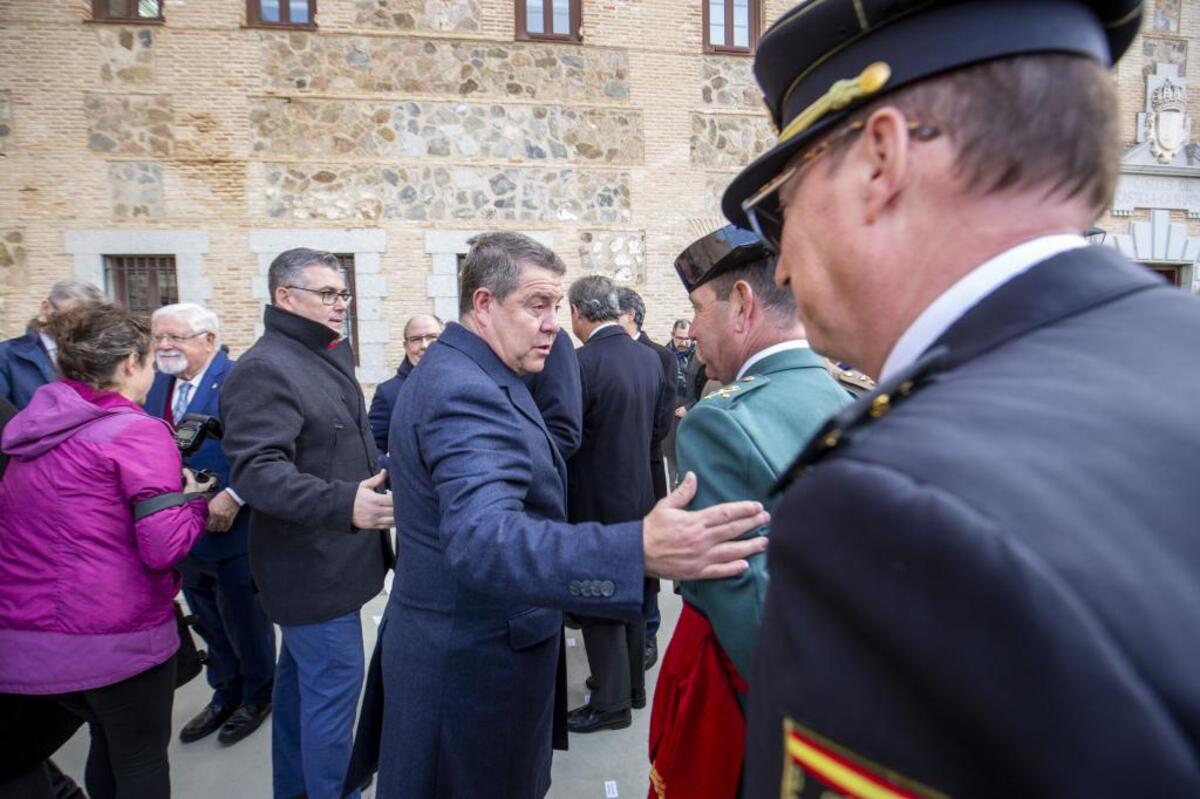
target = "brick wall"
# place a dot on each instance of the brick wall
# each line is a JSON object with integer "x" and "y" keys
{"x": 204, "y": 124}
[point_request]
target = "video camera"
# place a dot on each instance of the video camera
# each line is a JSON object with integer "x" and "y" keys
{"x": 190, "y": 434}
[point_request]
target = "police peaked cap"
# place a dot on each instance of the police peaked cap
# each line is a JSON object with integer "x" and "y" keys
{"x": 720, "y": 251}
{"x": 825, "y": 59}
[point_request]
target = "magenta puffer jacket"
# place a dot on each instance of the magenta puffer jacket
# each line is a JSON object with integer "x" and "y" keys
{"x": 85, "y": 594}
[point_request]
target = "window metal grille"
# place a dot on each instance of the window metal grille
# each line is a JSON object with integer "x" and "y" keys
{"x": 350, "y": 331}
{"x": 141, "y": 283}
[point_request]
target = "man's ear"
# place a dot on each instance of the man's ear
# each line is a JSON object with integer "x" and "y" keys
{"x": 741, "y": 302}
{"x": 883, "y": 152}
{"x": 483, "y": 303}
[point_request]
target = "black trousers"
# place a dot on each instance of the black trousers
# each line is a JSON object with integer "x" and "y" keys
{"x": 130, "y": 722}
{"x": 615, "y": 652}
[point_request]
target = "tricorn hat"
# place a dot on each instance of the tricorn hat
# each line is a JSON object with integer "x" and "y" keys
{"x": 716, "y": 253}
{"x": 826, "y": 58}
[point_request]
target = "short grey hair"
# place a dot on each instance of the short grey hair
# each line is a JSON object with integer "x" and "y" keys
{"x": 777, "y": 300}
{"x": 630, "y": 300}
{"x": 78, "y": 291}
{"x": 290, "y": 264}
{"x": 201, "y": 319}
{"x": 494, "y": 262}
{"x": 595, "y": 297}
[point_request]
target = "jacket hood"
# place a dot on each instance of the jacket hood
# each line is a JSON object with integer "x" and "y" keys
{"x": 56, "y": 412}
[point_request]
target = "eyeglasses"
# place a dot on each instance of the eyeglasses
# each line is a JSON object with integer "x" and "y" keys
{"x": 174, "y": 339}
{"x": 328, "y": 296}
{"x": 762, "y": 208}
{"x": 431, "y": 337}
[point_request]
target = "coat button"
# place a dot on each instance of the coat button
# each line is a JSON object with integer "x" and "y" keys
{"x": 574, "y": 588}
{"x": 607, "y": 588}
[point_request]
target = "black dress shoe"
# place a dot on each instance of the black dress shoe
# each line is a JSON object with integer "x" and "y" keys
{"x": 245, "y": 720}
{"x": 206, "y": 722}
{"x": 588, "y": 719}
{"x": 591, "y": 683}
{"x": 639, "y": 698}
{"x": 650, "y": 656}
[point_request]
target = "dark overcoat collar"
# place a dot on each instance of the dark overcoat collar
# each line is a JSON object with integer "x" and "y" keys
{"x": 312, "y": 335}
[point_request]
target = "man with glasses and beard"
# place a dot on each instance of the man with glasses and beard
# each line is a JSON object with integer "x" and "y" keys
{"x": 303, "y": 459}
{"x": 192, "y": 369}
{"x": 985, "y": 574}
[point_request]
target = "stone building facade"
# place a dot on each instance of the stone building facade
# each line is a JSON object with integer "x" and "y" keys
{"x": 393, "y": 130}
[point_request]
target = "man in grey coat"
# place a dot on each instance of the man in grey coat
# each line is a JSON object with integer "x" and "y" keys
{"x": 302, "y": 457}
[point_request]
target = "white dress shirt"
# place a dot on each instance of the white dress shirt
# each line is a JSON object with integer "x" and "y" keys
{"x": 600, "y": 327}
{"x": 51, "y": 346}
{"x": 195, "y": 383}
{"x": 795, "y": 344}
{"x": 968, "y": 292}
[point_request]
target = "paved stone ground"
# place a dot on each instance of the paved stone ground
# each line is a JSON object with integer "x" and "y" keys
{"x": 207, "y": 770}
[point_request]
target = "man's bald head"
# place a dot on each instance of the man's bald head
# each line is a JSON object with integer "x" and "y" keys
{"x": 419, "y": 332}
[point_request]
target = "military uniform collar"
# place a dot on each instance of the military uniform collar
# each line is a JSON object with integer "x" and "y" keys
{"x": 967, "y": 292}
{"x": 758, "y": 358}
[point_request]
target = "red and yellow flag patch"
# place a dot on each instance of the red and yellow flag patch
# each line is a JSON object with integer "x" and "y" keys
{"x": 807, "y": 755}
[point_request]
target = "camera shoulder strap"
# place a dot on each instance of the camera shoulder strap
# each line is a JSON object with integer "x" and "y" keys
{"x": 161, "y": 502}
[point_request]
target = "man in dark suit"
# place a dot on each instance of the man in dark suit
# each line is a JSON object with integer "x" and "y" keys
{"x": 419, "y": 332}
{"x": 470, "y": 639}
{"x": 633, "y": 317}
{"x": 982, "y": 572}
{"x": 303, "y": 459}
{"x": 216, "y": 573}
{"x": 27, "y": 362}
{"x": 626, "y": 408}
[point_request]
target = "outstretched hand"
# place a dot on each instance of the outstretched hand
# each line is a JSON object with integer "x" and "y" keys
{"x": 699, "y": 545}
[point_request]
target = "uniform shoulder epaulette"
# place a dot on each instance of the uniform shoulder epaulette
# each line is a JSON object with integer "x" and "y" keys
{"x": 852, "y": 380}
{"x": 737, "y": 389}
{"x": 839, "y": 428}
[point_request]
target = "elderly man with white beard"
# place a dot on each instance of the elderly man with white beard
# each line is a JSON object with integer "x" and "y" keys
{"x": 216, "y": 573}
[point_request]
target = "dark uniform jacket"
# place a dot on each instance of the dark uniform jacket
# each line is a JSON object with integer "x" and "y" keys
{"x": 298, "y": 444}
{"x": 211, "y": 545}
{"x": 626, "y": 409}
{"x": 989, "y": 582}
{"x": 470, "y": 639}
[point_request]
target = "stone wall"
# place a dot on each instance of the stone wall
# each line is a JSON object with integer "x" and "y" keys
{"x": 616, "y": 254}
{"x": 410, "y": 120}
{"x": 444, "y": 193}
{"x": 729, "y": 139}
{"x": 6, "y": 120}
{"x": 728, "y": 82}
{"x": 126, "y": 55}
{"x": 305, "y": 128}
{"x": 418, "y": 15}
{"x": 137, "y": 190}
{"x": 549, "y": 73}
{"x": 130, "y": 124}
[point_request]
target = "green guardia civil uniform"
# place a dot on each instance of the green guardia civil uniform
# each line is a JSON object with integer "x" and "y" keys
{"x": 739, "y": 440}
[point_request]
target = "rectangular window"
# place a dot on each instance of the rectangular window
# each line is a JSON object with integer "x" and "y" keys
{"x": 731, "y": 26}
{"x": 127, "y": 10}
{"x": 142, "y": 283}
{"x": 351, "y": 328}
{"x": 281, "y": 13}
{"x": 554, "y": 20}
